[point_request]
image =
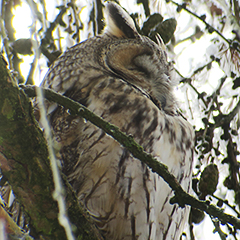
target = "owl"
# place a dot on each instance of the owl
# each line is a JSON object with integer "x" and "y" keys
{"x": 125, "y": 79}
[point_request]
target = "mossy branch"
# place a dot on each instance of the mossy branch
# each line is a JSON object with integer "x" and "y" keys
{"x": 181, "y": 197}
{"x": 24, "y": 162}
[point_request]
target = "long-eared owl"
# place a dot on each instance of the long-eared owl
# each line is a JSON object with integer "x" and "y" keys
{"x": 124, "y": 78}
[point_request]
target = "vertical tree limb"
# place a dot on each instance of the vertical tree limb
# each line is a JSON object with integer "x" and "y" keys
{"x": 24, "y": 162}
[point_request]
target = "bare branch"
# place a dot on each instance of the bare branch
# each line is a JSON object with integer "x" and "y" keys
{"x": 226, "y": 118}
{"x": 48, "y": 35}
{"x": 210, "y": 28}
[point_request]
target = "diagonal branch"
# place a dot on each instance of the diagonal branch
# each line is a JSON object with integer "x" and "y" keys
{"x": 181, "y": 197}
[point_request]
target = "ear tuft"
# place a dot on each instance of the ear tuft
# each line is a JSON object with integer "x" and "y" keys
{"x": 119, "y": 23}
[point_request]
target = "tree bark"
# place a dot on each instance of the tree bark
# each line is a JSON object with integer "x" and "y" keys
{"x": 24, "y": 162}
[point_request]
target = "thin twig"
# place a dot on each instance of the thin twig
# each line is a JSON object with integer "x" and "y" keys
{"x": 58, "y": 194}
{"x": 222, "y": 235}
{"x": 208, "y": 26}
{"x": 48, "y": 35}
{"x": 44, "y": 14}
{"x": 189, "y": 82}
{"x": 99, "y": 15}
{"x": 221, "y": 119}
{"x": 4, "y": 35}
{"x": 226, "y": 202}
{"x": 76, "y": 17}
{"x": 236, "y": 11}
{"x": 201, "y": 68}
{"x": 211, "y": 108}
{"x": 226, "y": 118}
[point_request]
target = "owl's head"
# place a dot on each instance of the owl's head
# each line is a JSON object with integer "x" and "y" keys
{"x": 137, "y": 59}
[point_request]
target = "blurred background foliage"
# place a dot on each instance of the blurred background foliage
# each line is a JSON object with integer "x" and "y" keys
{"x": 202, "y": 39}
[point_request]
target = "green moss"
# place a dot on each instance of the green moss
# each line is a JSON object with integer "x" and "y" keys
{"x": 7, "y": 109}
{"x": 1, "y": 141}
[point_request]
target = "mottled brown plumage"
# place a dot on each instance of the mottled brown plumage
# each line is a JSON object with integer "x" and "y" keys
{"x": 124, "y": 78}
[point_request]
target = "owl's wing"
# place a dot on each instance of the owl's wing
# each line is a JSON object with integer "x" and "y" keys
{"x": 118, "y": 190}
